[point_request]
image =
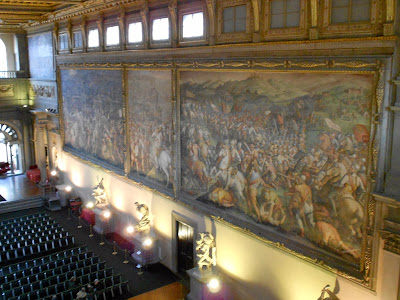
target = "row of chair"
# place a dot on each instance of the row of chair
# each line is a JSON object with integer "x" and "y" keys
{"x": 32, "y": 222}
{"x": 24, "y": 218}
{"x": 105, "y": 294}
{"x": 24, "y": 235}
{"x": 35, "y": 282}
{"x": 52, "y": 286}
{"x": 36, "y": 239}
{"x": 77, "y": 251}
{"x": 36, "y": 249}
{"x": 25, "y": 230}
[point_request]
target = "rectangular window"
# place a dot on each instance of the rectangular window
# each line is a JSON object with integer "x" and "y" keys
{"x": 77, "y": 39}
{"x": 112, "y": 35}
{"x": 135, "y": 32}
{"x": 193, "y": 25}
{"x": 234, "y": 19}
{"x": 63, "y": 41}
{"x": 93, "y": 38}
{"x": 348, "y": 11}
{"x": 160, "y": 29}
{"x": 285, "y": 13}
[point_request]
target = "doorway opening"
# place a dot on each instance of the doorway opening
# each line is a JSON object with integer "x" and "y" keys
{"x": 185, "y": 247}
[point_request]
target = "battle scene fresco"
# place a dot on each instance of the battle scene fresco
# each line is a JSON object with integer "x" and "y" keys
{"x": 287, "y": 150}
{"x": 93, "y": 114}
{"x": 150, "y": 123}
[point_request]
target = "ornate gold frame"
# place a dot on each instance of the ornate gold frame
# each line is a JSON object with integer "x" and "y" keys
{"x": 368, "y": 264}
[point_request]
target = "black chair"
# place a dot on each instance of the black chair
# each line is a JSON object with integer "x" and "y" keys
{"x": 108, "y": 293}
{"x": 42, "y": 293}
{"x": 31, "y": 278}
{"x": 94, "y": 260}
{"x": 14, "y": 284}
{"x": 24, "y": 296}
{"x": 17, "y": 291}
{"x": 7, "y": 294}
{"x": 51, "y": 290}
{"x": 124, "y": 288}
{"x": 23, "y": 281}
{"x": 9, "y": 277}
{"x": 5, "y": 286}
{"x": 53, "y": 280}
{"x": 57, "y": 271}
{"x": 26, "y": 289}
{"x": 11, "y": 255}
{"x": 72, "y": 267}
{"x": 44, "y": 283}
{"x": 101, "y": 266}
{"x": 81, "y": 264}
{"x": 109, "y": 272}
{"x": 108, "y": 282}
{"x": 84, "y": 280}
{"x": 86, "y": 270}
{"x": 35, "y": 286}
{"x": 67, "y": 295}
{"x": 60, "y": 287}
{"x": 18, "y": 275}
{"x": 40, "y": 276}
{"x": 116, "y": 279}
{"x": 44, "y": 267}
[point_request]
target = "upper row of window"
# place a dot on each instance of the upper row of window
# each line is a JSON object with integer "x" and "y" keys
{"x": 284, "y": 14}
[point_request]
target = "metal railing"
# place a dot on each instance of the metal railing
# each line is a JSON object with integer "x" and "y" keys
{"x": 8, "y": 74}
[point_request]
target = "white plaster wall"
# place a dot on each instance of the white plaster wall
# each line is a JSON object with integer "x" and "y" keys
{"x": 258, "y": 271}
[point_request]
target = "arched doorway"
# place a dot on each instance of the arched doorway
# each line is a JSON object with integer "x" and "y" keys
{"x": 10, "y": 148}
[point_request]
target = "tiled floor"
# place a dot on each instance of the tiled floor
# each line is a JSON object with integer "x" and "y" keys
{"x": 18, "y": 187}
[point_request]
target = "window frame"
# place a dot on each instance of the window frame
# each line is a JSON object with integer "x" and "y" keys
{"x": 363, "y": 28}
{"x": 74, "y": 47}
{"x": 62, "y": 34}
{"x": 234, "y": 37}
{"x": 134, "y": 19}
{"x": 88, "y": 29}
{"x": 284, "y": 33}
{"x": 187, "y": 10}
{"x": 159, "y": 14}
{"x": 349, "y": 10}
{"x": 108, "y": 24}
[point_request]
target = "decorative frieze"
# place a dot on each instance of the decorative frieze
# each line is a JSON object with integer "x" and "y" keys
{"x": 42, "y": 91}
{"x": 7, "y": 90}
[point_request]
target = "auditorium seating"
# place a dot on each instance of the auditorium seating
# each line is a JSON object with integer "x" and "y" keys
{"x": 30, "y": 236}
{"x": 27, "y": 274}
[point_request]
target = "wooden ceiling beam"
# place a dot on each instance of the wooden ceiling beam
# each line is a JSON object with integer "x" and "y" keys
{"x": 16, "y": 16}
{"x": 24, "y": 9}
{"x": 42, "y": 2}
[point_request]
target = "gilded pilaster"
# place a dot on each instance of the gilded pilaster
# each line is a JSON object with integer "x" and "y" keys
{"x": 211, "y": 21}
{"x": 173, "y": 8}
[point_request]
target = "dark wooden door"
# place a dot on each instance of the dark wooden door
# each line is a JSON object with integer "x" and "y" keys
{"x": 184, "y": 235}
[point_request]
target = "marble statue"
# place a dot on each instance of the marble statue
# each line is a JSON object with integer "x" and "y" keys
{"x": 99, "y": 194}
{"x": 206, "y": 251}
{"x": 143, "y": 227}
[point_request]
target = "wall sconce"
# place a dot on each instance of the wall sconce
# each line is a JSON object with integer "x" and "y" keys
{"x": 107, "y": 214}
{"x": 130, "y": 229}
{"x": 53, "y": 173}
{"x": 90, "y": 205}
{"x": 68, "y": 188}
{"x": 214, "y": 285}
{"x": 147, "y": 243}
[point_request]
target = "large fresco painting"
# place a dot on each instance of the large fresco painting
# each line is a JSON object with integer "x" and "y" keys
{"x": 93, "y": 114}
{"x": 284, "y": 151}
{"x": 150, "y": 123}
